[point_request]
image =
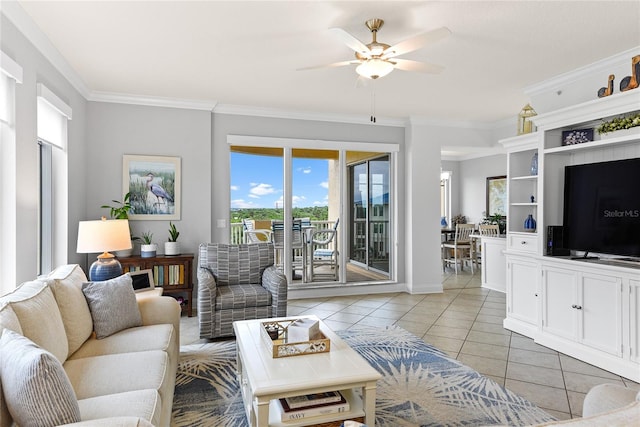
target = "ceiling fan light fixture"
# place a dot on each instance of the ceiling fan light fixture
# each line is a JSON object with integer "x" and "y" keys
{"x": 374, "y": 68}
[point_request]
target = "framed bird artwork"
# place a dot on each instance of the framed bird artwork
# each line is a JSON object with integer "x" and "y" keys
{"x": 154, "y": 186}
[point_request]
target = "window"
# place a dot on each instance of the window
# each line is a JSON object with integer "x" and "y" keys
{"x": 53, "y": 114}
{"x": 11, "y": 73}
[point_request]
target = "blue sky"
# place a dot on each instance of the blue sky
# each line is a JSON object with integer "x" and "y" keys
{"x": 256, "y": 181}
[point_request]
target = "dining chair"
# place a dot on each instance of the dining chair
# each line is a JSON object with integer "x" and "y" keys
{"x": 491, "y": 230}
{"x": 458, "y": 250}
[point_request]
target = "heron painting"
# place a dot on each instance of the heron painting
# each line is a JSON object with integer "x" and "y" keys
{"x": 154, "y": 185}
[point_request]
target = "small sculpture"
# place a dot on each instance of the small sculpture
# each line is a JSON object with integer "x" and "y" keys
{"x": 631, "y": 82}
{"x": 606, "y": 91}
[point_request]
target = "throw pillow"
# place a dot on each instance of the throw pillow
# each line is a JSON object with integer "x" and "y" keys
{"x": 36, "y": 388}
{"x": 113, "y": 305}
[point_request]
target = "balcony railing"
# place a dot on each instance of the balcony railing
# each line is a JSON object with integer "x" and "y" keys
{"x": 237, "y": 232}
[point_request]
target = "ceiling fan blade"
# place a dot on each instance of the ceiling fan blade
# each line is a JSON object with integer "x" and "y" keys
{"x": 350, "y": 41}
{"x": 416, "y": 42}
{"x": 422, "y": 67}
{"x": 334, "y": 65}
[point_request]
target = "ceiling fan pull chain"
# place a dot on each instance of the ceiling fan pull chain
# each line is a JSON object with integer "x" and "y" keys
{"x": 373, "y": 101}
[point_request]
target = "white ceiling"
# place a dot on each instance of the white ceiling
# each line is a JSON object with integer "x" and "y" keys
{"x": 247, "y": 53}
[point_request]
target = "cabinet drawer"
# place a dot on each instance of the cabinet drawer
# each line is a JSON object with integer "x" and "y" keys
{"x": 523, "y": 242}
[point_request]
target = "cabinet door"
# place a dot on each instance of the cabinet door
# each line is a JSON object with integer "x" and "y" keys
{"x": 559, "y": 299}
{"x": 522, "y": 290}
{"x": 600, "y": 312}
{"x": 634, "y": 319}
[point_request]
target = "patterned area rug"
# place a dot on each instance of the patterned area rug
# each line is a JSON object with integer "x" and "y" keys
{"x": 421, "y": 386}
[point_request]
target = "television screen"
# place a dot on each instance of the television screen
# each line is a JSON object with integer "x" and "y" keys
{"x": 602, "y": 207}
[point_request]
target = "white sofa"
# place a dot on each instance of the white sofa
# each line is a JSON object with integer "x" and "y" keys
{"x": 124, "y": 379}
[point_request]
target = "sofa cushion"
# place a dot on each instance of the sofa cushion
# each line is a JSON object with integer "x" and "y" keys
{"x": 113, "y": 305}
{"x": 138, "y": 403}
{"x": 39, "y": 316}
{"x": 66, "y": 283}
{"x": 8, "y": 319}
{"x": 36, "y": 388}
{"x": 117, "y": 373}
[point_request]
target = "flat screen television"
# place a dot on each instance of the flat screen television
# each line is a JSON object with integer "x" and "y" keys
{"x": 602, "y": 207}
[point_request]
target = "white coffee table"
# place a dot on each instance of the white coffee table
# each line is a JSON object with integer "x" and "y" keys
{"x": 264, "y": 379}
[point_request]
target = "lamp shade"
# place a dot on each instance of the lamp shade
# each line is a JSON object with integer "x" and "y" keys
{"x": 103, "y": 236}
{"x": 374, "y": 68}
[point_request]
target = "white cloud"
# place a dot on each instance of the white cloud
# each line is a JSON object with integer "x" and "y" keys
{"x": 319, "y": 203}
{"x": 261, "y": 189}
{"x": 324, "y": 184}
{"x": 241, "y": 204}
{"x": 253, "y": 196}
{"x": 234, "y": 188}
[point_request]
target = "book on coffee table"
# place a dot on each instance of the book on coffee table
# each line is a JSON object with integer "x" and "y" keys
{"x": 312, "y": 410}
{"x": 296, "y": 402}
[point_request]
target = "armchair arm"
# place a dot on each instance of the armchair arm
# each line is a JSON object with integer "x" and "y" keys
{"x": 326, "y": 235}
{"x": 206, "y": 302}
{"x": 276, "y": 283}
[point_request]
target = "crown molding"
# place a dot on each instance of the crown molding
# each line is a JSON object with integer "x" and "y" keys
{"x": 244, "y": 110}
{"x": 471, "y": 152}
{"x": 152, "y": 101}
{"x": 604, "y": 65}
{"x": 16, "y": 14}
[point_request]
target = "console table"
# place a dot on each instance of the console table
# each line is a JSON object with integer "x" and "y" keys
{"x": 172, "y": 273}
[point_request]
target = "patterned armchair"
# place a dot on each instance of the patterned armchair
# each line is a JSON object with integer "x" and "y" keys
{"x": 237, "y": 282}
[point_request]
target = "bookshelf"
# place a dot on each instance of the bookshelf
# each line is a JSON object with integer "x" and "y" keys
{"x": 172, "y": 273}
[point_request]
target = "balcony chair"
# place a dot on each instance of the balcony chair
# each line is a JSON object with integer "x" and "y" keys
{"x": 297, "y": 244}
{"x": 324, "y": 252}
{"x": 255, "y": 232}
{"x": 237, "y": 282}
{"x": 458, "y": 250}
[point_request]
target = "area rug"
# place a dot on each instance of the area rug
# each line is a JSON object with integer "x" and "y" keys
{"x": 420, "y": 386}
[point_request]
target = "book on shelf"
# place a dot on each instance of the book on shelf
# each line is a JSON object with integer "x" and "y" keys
{"x": 296, "y": 402}
{"x": 312, "y": 410}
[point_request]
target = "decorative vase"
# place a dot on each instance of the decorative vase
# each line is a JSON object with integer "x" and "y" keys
{"x": 530, "y": 223}
{"x": 171, "y": 248}
{"x": 443, "y": 222}
{"x": 534, "y": 164}
{"x": 148, "y": 251}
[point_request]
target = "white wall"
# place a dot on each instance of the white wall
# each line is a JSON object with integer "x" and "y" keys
{"x": 473, "y": 178}
{"x": 37, "y": 69}
{"x": 117, "y": 129}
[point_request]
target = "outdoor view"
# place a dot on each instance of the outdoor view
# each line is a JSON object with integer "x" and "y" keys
{"x": 257, "y": 187}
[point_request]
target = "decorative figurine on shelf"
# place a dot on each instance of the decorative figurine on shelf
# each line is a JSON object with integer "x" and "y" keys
{"x": 534, "y": 164}
{"x": 530, "y": 223}
{"x": 606, "y": 91}
{"x": 533, "y": 199}
{"x": 525, "y": 125}
{"x": 443, "y": 222}
{"x": 632, "y": 81}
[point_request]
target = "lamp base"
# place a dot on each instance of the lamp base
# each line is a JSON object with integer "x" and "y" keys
{"x": 105, "y": 269}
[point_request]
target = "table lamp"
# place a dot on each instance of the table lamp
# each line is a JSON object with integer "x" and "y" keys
{"x": 104, "y": 236}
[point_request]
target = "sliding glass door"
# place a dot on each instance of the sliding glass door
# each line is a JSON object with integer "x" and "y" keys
{"x": 370, "y": 213}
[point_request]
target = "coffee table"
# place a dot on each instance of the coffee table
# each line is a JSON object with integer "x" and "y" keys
{"x": 264, "y": 379}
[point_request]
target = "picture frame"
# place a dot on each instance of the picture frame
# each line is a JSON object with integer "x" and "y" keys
{"x": 576, "y": 136}
{"x": 496, "y": 194}
{"x": 142, "y": 280}
{"x": 154, "y": 184}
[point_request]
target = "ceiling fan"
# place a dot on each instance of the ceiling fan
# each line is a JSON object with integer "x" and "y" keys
{"x": 378, "y": 59}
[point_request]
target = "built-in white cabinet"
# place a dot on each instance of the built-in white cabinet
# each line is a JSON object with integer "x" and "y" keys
{"x": 582, "y": 307}
{"x": 522, "y": 295}
{"x": 589, "y": 310}
{"x": 634, "y": 320}
{"x": 493, "y": 263}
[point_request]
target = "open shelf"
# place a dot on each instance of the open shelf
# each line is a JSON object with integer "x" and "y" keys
{"x": 356, "y": 410}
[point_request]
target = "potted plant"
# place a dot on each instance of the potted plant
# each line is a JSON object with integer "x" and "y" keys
{"x": 172, "y": 247}
{"x": 148, "y": 249}
{"x": 120, "y": 210}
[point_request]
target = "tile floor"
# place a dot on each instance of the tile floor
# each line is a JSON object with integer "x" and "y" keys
{"x": 466, "y": 322}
